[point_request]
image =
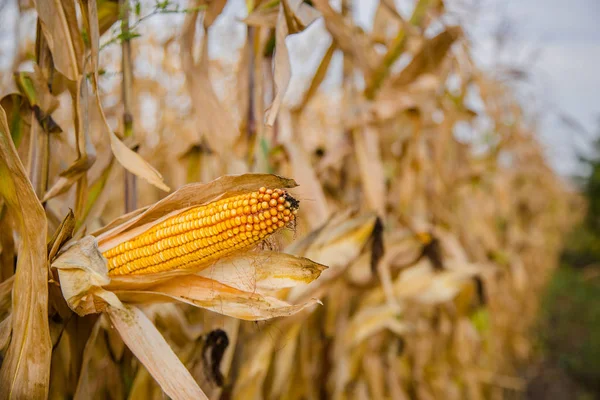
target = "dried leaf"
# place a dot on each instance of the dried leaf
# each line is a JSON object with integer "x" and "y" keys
{"x": 86, "y": 153}
{"x": 100, "y": 375}
{"x": 25, "y": 370}
{"x": 263, "y": 271}
{"x": 397, "y": 47}
{"x": 6, "y": 288}
{"x": 92, "y": 27}
{"x": 317, "y": 78}
{"x": 83, "y": 272}
{"x": 94, "y": 192}
{"x": 282, "y": 70}
{"x": 369, "y": 321}
{"x": 285, "y": 360}
{"x": 128, "y": 158}
{"x": 304, "y": 14}
{"x": 144, "y": 386}
{"x": 18, "y": 114}
{"x": 370, "y": 164}
{"x": 63, "y": 234}
{"x": 281, "y": 66}
{"x": 214, "y": 9}
{"x": 387, "y": 21}
{"x": 336, "y": 245}
{"x": 215, "y": 296}
{"x": 148, "y": 345}
{"x": 349, "y": 38}
{"x": 7, "y": 246}
{"x": 423, "y": 284}
{"x": 429, "y": 57}
{"x": 34, "y": 87}
{"x": 108, "y": 14}
{"x": 214, "y": 120}
{"x": 83, "y": 387}
{"x": 252, "y": 375}
{"x": 5, "y": 332}
{"x": 59, "y": 23}
{"x": 316, "y": 209}
{"x": 263, "y": 17}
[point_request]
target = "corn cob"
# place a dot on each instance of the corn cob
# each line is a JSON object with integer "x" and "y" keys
{"x": 204, "y": 234}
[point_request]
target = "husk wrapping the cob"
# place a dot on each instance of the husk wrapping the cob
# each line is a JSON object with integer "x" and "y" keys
{"x": 126, "y": 259}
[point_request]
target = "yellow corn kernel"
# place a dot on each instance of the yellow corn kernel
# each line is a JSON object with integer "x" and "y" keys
{"x": 204, "y": 234}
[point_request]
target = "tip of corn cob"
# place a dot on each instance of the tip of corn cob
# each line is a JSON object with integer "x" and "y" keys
{"x": 205, "y": 233}
{"x": 294, "y": 204}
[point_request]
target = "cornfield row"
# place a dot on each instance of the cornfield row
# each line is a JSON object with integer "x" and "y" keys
{"x": 422, "y": 189}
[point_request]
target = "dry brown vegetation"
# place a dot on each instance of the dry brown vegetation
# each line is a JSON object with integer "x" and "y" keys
{"x": 436, "y": 244}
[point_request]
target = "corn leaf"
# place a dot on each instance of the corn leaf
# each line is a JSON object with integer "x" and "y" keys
{"x": 263, "y": 271}
{"x": 214, "y": 120}
{"x": 318, "y": 78}
{"x": 265, "y": 17}
{"x": 25, "y": 370}
{"x": 284, "y": 360}
{"x": 215, "y": 296}
{"x": 369, "y": 321}
{"x": 252, "y": 375}
{"x": 349, "y": 38}
{"x": 5, "y": 332}
{"x": 107, "y": 14}
{"x": 5, "y": 295}
{"x": 82, "y": 271}
{"x": 212, "y": 11}
{"x": 128, "y": 158}
{"x": 148, "y": 345}
{"x": 428, "y": 58}
{"x": 59, "y": 24}
{"x": 282, "y": 70}
{"x": 317, "y": 209}
{"x": 336, "y": 245}
{"x": 370, "y": 164}
{"x": 85, "y": 149}
{"x": 282, "y": 73}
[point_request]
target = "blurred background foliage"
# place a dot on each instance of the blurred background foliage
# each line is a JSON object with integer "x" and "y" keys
{"x": 569, "y": 321}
